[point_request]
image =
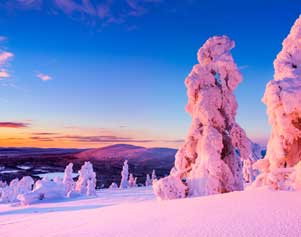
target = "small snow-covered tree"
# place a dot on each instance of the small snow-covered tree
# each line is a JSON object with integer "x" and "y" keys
{"x": 124, "y": 175}
{"x": 113, "y": 186}
{"x": 170, "y": 187}
{"x": 2, "y": 184}
{"x": 25, "y": 185}
{"x": 91, "y": 185}
{"x": 154, "y": 176}
{"x": 131, "y": 181}
{"x": 86, "y": 174}
{"x": 68, "y": 180}
{"x": 283, "y": 100}
{"x": 210, "y": 160}
{"x": 7, "y": 194}
{"x": 14, "y": 185}
{"x": 148, "y": 180}
{"x": 249, "y": 173}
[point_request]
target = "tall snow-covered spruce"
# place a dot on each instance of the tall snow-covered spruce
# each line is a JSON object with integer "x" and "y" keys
{"x": 282, "y": 97}
{"x": 68, "y": 180}
{"x": 210, "y": 160}
{"x": 124, "y": 175}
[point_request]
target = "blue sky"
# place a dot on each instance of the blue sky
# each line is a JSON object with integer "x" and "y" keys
{"x": 117, "y": 68}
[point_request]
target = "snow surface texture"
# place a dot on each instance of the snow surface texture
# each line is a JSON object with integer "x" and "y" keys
{"x": 283, "y": 100}
{"x": 209, "y": 162}
{"x": 135, "y": 213}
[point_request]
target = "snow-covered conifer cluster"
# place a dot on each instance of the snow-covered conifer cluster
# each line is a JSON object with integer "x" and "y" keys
{"x": 27, "y": 191}
{"x": 86, "y": 182}
{"x": 9, "y": 193}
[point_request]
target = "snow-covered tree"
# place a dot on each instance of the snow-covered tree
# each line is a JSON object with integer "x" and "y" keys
{"x": 148, "y": 180}
{"x": 124, "y": 175}
{"x": 25, "y": 185}
{"x": 170, "y": 187}
{"x": 43, "y": 189}
{"x": 14, "y": 185}
{"x": 132, "y": 182}
{"x": 7, "y": 194}
{"x": 91, "y": 185}
{"x": 2, "y": 184}
{"x": 68, "y": 180}
{"x": 210, "y": 160}
{"x": 15, "y": 188}
{"x": 154, "y": 176}
{"x": 113, "y": 186}
{"x": 86, "y": 174}
{"x": 283, "y": 100}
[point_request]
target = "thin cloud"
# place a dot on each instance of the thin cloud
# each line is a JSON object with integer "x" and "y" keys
{"x": 106, "y": 12}
{"x": 42, "y": 139}
{"x": 4, "y": 74}
{"x": 5, "y": 57}
{"x": 44, "y": 133}
{"x": 13, "y": 125}
{"x": 44, "y": 136}
{"x": 43, "y": 77}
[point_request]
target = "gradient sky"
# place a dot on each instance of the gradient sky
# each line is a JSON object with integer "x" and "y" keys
{"x": 85, "y": 73}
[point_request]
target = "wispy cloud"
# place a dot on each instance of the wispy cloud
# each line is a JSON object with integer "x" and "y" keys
{"x": 4, "y": 74}
{"x": 5, "y": 57}
{"x": 13, "y": 125}
{"x": 106, "y": 11}
{"x": 43, "y": 77}
{"x": 44, "y": 133}
{"x": 48, "y": 137}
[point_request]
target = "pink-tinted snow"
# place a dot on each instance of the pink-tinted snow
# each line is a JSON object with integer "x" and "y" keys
{"x": 135, "y": 213}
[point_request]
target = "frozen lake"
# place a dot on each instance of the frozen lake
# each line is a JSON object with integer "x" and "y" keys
{"x": 55, "y": 174}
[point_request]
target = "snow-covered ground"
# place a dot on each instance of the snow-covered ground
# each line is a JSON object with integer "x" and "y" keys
{"x": 135, "y": 212}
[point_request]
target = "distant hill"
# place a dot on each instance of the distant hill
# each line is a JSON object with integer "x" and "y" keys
{"x": 128, "y": 152}
{"x": 33, "y": 151}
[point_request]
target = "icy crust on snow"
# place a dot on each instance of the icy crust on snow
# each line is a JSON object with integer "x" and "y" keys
{"x": 210, "y": 160}
{"x": 283, "y": 100}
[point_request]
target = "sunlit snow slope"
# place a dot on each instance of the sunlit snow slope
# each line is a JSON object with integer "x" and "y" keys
{"x": 135, "y": 213}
